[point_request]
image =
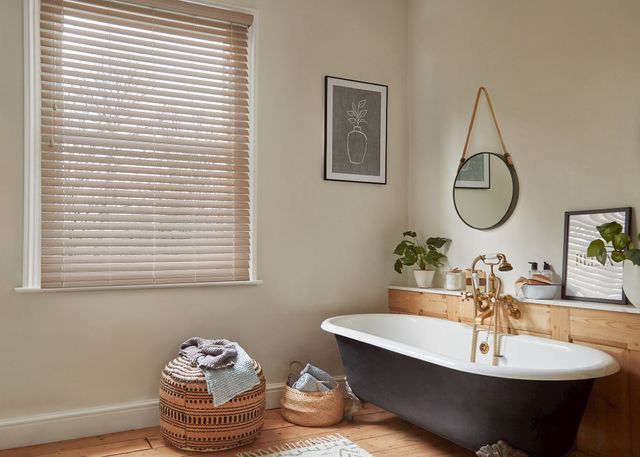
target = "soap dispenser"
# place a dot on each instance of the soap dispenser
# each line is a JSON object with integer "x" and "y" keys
{"x": 546, "y": 270}
{"x": 534, "y": 269}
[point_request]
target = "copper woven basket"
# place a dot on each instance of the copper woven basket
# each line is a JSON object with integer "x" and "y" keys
{"x": 311, "y": 409}
{"x": 189, "y": 421}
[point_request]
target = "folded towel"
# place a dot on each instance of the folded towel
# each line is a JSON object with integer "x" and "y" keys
{"x": 308, "y": 383}
{"x": 320, "y": 375}
{"x": 225, "y": 383}
{"x": 205, "y": 353}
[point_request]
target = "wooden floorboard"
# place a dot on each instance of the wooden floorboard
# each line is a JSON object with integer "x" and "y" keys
{"x": 377, "y": 431}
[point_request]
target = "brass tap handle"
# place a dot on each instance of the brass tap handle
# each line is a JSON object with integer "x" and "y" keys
{"x": 512, "y": 309}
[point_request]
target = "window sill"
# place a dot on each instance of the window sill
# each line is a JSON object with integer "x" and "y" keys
{"x": 37, "y": 290}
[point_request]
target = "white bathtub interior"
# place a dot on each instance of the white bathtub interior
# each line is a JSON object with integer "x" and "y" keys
{"x": 448, "y": 344}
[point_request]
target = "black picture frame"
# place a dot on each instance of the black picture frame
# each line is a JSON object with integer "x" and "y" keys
{"x": 568, "y": 282}
{"x": 330, "y": 174}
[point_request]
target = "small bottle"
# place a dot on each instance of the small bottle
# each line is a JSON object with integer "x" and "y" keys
{"x": 534, "y": 269}
{"x": 546, "y": 270}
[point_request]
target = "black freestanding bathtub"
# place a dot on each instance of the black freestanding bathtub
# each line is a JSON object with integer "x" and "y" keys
{"x": 418, "y": 368}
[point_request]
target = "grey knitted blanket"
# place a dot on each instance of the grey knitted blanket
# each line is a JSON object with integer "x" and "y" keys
{"x": 225, "y": 383}
{"x": 227, "y": 368}
{"x": 211, "y": 354}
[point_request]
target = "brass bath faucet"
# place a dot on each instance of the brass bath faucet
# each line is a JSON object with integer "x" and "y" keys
{"x": 487, "y": 304}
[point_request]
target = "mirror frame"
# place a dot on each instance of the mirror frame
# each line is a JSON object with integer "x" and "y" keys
{"x": 514, "y": 195}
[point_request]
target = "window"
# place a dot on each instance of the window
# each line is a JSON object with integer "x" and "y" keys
{"x": 143, "y": 144}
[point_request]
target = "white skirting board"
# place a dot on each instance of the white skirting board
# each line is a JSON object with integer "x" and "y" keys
{"x": 66, "y": 425}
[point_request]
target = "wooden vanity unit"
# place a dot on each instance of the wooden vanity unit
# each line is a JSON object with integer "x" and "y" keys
{"x": 611, "y": 423}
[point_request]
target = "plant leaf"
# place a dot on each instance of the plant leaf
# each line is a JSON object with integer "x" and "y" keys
{"x": 351, "y": 113}
{"x": 594, "y": 248}
{"x": 353, "y": 107}
{"x": 400, "y": 248}
{"x": 363, "y": 113}
{"x": 352, "y": 120}
{"x": 409, "y": 233}
{"x": 634, "y": 256}
{"x": 436, "y": 241}
{"x": 361, "y": 103}
{"x": 410, "y": 256}
{"x": 398, "y": 266}
{"x": 609, "y": 229}
{"x": 435, "y": 258}
{"x": 617, "y": 256}
{"x": 620, "y": 241}
{"x": 602, "y": 256}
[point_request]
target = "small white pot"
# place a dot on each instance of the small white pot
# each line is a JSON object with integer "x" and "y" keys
{"x": 424, "y": 278}
{"x": 631, "y": 282}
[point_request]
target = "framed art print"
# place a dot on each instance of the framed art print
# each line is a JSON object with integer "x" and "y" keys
{"x": 584, "y": 278}
{"x": 475, "y": 174}
{"x": 355, "y": 131}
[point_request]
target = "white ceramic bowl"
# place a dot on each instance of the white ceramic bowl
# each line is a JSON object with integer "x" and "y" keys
{"x": 540, "y": 291}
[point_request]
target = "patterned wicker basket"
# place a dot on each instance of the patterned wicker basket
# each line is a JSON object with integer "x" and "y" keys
{"x": 189, "y": 421}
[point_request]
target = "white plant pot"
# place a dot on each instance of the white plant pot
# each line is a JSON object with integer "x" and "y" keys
{"x": 424, "y": 278}
{"x": 631, "y": 282}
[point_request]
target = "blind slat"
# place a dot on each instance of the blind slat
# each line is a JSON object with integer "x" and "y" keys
{"x": 142, "y": 250}
{"x": 144, "y": 117}
{"x": 96, "y": 37}
{"x": 50, "y": 20}
{"x": 51, "y": 63}
{"x": 124, "y": 157}
{"x": 108, "y": 11}
{"x": 133, "y": 125}
{"x": 155, "y": 168}
{"x": 114, "y": 80}
{"x": 54, "y": 135}
{"x": 173, "y": 10}
{"x": 183, "y": 164}
{"x": 49, "y": 23}
{"x": 110, "y": 48}
{"x": 70, "y": 101}
{"x": 56, "y": 49}
{"x": 240, "y": 239}
{"x": 106, "y": 91}
{"x": 145, "y": 143}
{"x": 141, "y": 81}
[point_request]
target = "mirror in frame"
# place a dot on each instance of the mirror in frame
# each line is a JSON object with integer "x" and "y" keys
{"x": 485, "y": 191}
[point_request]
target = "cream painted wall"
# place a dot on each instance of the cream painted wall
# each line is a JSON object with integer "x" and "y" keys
{"x": 565, "y": 82}
{"x": 323, "y": 247}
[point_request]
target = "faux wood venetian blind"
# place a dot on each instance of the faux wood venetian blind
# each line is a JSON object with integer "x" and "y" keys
{"x": 145, "y": 143}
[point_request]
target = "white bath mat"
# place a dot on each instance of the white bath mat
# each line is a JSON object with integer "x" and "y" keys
{"x": 323, "y": 446}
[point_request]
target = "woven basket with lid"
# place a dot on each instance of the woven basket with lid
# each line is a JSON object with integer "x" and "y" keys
{"x": 188, "y": 419}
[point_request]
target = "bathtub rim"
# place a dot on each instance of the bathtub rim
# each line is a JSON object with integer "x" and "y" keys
{"x": 604, "y": 365}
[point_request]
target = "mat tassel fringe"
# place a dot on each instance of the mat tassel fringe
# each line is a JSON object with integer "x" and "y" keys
{"x": 310, "y": 446}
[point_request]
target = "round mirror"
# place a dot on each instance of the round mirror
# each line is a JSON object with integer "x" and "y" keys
{"x": 485, "y": 191}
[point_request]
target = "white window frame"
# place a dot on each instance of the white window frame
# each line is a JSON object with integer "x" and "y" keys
{"x": 31, "y": 263}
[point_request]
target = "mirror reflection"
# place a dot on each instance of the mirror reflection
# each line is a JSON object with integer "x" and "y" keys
{"x": 485, "y": 190}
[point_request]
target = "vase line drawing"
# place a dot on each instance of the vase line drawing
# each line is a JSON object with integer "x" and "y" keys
{"x": 356, "y": 139}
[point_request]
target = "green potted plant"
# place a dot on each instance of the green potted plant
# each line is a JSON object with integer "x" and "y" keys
{"x": 425, "y": 256}
{"x": 616, "y": 246}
